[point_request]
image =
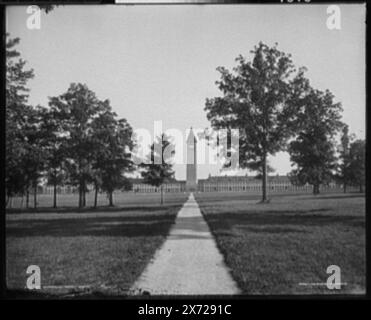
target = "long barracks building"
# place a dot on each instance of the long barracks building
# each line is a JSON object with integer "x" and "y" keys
{"x": 249, "y": 184}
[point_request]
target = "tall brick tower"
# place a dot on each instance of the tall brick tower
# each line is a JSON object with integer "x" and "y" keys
{"x": 191, "y": 183}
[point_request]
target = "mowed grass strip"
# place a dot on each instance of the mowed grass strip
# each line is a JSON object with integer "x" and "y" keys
{"x": 274, "y": 248}
{"x": 69, "y": 202}
{"x": 96, "y": 249}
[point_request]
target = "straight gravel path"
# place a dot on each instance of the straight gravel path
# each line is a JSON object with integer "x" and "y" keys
{"x": 189, "y": 262}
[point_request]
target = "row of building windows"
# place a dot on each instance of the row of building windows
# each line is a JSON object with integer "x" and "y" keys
{"x": 202, "y": 187}
{"x": 174, "y": 187}
{"x": 225, "y": 187}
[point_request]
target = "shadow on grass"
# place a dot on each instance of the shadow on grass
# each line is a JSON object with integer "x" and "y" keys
{"x": 190, "y": 228}
{"x": 204, "y": 198}
{"x": 279, "y": 219}
{"x": 334, "y": 196}
{"x": 12, "y": 294}
{"x": 132, "y": 226}
{"x": 149, "y": 207}
{"x": 273, "y": 229}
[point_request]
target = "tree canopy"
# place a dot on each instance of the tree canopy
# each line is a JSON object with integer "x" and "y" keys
{"x": 158, "y": 168}
{"x": 97, "y": 144}
{"x": 313, "y": 150}
{"x": 261, "y": 98}
{"x": 76, "y": 140}
{"x": 19, "y": 117}
{"x": 357, "y": 163}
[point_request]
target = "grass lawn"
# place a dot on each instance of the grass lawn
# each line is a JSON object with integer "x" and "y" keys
{"x": 101, "y": 251}
{"x": 271, "y": 248}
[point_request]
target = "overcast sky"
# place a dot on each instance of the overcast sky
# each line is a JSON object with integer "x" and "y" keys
{"x": 159, "y": 62}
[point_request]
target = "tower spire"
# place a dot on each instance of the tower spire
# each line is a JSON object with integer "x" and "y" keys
{"x": 191, "y": 139}
{"x": 191, "y": 183}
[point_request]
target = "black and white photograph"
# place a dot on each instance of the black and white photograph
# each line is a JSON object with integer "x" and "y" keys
{"x": 185, "y": 150}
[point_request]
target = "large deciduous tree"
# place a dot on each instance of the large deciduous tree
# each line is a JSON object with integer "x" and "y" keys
{"x": 96, "y": 146}
{"x": 55, "y": 150}
{"x": 357, "y": 163}
{"x": 17, "y": 112}
{"x": 343, "y": 170}
{"x": 313, "y": 150}
{"x": 157, "y": 170}
{"x": 16, "y": 76}
{"x": 76, "y": 110}
{"x": 260, "y": 98}
{"x": 35, "y": 157}
{"x": 112, "y": 156}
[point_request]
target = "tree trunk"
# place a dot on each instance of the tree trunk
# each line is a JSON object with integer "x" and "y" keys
{"x": 35, "y": 196}
{"x": 9, "y": 201}
{"x": 316, "y": 189}
{"x": 162, "y": 194}
{"x": 55, "y": 195}
{"x": 27, "y": 198}
{"x": 265, "y": 179}
{"x": 84, "y": 197}
{"x": 361, "y": 188}
{"x": 110, "y": 197}
{"x": 96, "y": 196}
{"x": 80, "y": 195}
{"x": 345, "y": 187}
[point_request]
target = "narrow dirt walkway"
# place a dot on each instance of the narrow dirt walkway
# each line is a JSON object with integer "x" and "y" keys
{"x": 189, "y": 261}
